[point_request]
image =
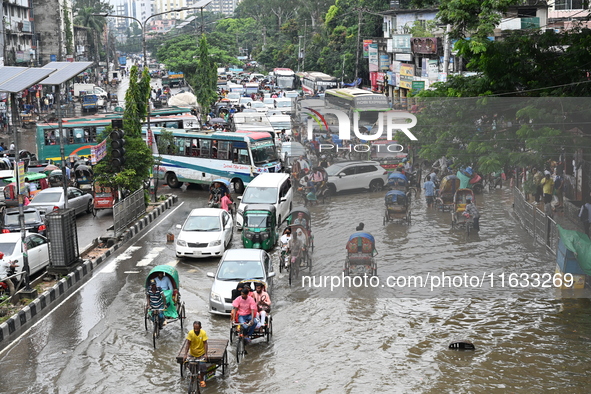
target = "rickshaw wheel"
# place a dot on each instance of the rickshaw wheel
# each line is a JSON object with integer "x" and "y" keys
{"x": 239, "y": 350}
{"x": 90, "y": 207}
{"x": 146, "y": 316}
{"x": 384, "y": 221}
{"x": 181, "y": 313}
{"x": 232, "y": 333}
{"x": 94, "y": 210}
{"x": 269, "y": 329}
{"x": 280, "y": 264}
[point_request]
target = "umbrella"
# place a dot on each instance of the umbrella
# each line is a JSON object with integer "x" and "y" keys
{"x": 183, "y": 100}
{"x": 50, "y": 167}
{"x": 217, "y": 121}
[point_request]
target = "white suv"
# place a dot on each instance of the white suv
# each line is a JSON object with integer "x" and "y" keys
{"x": 356, "y": 175}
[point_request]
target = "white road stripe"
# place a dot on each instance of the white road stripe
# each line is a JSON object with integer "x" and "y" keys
{"x": 112, "y": 266}
{"x": 149, "y": 257}
{"x": 173, "y": 263}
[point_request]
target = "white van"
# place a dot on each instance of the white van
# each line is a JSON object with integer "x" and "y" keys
{"x": 267, "y": 188}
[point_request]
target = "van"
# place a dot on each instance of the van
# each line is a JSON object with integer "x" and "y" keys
{"x": 268, "y": 188}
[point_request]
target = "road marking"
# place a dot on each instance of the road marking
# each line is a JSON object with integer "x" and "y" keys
{"x": 149, "y": 257}
{"x": 112, "y": 266}
{"x": 131, "y": 272}
{"x": 49, "y": 313}
{"x": 173, "y": 263}
{"x": 165, "y": 217}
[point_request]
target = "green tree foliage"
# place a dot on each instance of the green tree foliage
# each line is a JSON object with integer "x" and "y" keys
{"x": 69, "y": 30}
{"x": 83, "y": 9}
{"x": 205, "y": 81}
{"x": 138, "y": 157}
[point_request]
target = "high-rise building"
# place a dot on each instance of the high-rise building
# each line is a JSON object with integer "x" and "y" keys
{"x": 225, "y": 7}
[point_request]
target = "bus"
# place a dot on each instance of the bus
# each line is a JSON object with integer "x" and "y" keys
{"x": 358, "y": 101}
{"x": 315, "y": 83}
{"x": 200, "y": 157}
{"x": 250, "y": 121}
{"x": 82, "y": 133}
{"x": 285, "y": 78}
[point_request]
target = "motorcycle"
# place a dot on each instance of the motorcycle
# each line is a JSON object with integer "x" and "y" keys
{"x": 7, "y": 287}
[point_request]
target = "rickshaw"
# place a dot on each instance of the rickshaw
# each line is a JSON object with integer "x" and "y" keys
{"x": 104, "y": 197}
{"x": 259, "y": 230}
{"x": 56, "y": 178}
{"x": 83, "y": 175}
{"x": 361, "y": 252}
{"x": 445, "y": 194}
{"x": 114, "y": 99}
{"x": 218, "y": 193}
{"x": 470, "y": 180}
{"x": 39, "y": 180}
{"x": 457, "y": 215}
{"x": 217, "y": 356}
{"x": 301, "y": 216}
{"x": 176, "y": 307}
{"x": 264, "y": 331}
{"x": 304, "y": 260}
{"x": 397, "y": 206}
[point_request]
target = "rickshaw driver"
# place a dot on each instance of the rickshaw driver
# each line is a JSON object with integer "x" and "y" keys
{"x": 473, "y": 212}
{"x": 157, "y": 301}
{"x": 217, "y": 190}
{"x": 295, "y": 247}
{"x": 198, "y": 349}
{"x": 246, "y": 308}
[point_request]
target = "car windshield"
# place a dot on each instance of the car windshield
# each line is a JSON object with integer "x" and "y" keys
{"x": 255, "y": 220}
{"x": 239, "y": 270}
{"x": 11, "y": 219}
{"x": 264, "y": 152}
{"x": 281, "y": 125}
{"x": 48, "y": 197}
{"x": 245, "y": 100}
{"x": 7, "y": 248}
{"x": 258, "y": 104}
{"x": 334, "y": 170}
{"x": 260, "y": 195}
{"x": 233, "y": 96}
{"x": 202, "y": 223}
{"x": 283, "y": 104}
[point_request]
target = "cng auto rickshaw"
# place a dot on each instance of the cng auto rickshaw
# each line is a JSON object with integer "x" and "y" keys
{"x": 10, "y": 193}
{"x": 259, "y": 230}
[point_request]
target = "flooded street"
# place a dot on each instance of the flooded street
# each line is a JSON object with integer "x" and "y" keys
{"x": 354, "y": 340}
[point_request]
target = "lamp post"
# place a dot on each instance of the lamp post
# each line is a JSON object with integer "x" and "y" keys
{"x": 299, "y": 51}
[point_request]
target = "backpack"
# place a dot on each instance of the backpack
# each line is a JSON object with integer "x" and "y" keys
{"x": 584, "y": 216}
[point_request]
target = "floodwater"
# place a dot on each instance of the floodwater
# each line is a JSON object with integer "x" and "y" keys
{"x": 528, "y": 339}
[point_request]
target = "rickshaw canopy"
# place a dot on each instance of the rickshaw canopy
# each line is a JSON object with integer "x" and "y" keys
{"x": 397, "y": 179}
{"x": 361, "y": 242}
{"x": 450, "y": 184}
{"x": 396, "y": 196}
{"x": 294, "y": 213}
{"x": 168, "y": 270}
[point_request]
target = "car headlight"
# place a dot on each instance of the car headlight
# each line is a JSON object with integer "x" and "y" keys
{"x": 265, "y": 236}
{"x": 215, "y": 243}
{"x": 181, "y": 242}
{"x": 248, "y": 234}
{"x": 240, "y": 212}
{"x": 215, "y": 297}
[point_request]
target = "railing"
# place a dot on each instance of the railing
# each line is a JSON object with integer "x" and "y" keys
{"x": 128, "y": 210}
{"x": 540, "y": 226}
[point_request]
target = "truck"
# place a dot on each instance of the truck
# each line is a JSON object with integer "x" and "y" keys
{"x": 123, "y": 61}
{"x": 89, "y": 88}
{"x": 173, "y": 79}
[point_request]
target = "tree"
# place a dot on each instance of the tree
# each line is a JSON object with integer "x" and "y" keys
{"x": 205, "y": 77}
{"x": 138, "y": 157}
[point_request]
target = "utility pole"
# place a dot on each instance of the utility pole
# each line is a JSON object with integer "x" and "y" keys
{"x": 299, "y": 51}
{"x": 304, "y": 53}
{"x": 358, "y": 43}
{"x": 446, "y": 49}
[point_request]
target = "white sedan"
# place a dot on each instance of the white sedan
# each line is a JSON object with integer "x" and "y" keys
{"x": 259, "y": 106}
{"x": 206, "y": 233}
{"x": 37, "y": 250}
{"x": 52, "y": 198}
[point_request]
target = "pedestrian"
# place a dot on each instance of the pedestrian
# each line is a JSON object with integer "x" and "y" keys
{"x": 11, "y": 146}
{"x": 537, "y": 183}
{"x": 585, "y": 215}
{"x": 547, "y": 185}
{"x": 559, "y": 189}
{"x": 429, "y": 187}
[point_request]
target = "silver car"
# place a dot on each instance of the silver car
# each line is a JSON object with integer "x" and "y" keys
{"x": 52, "y": 198}
{"x": 237, "y": 265}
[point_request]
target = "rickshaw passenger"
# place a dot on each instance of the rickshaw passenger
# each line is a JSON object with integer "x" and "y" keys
{"x": 246, "y": 308}
{"x": 157, "y": 300}
{"x": 263, "y": 301}
{"x": 164, "y": 282}
{"x": 301, "y": 220}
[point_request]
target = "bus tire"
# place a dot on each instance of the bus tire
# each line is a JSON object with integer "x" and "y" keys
{"x": 238, "y": 186}
{"x": 172, "y": 181}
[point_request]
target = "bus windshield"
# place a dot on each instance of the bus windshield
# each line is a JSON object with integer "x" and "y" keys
{"x": 264, "y": 152}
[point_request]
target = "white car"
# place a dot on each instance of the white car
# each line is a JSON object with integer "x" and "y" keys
{"x": 206, "y": 233}
{"x": 52, "y": 198}
{"x": 351, "y": 175}
{"x": 284, "y": 105}
{"x": 269, "y": 102}
{"x": 37, "y": 250}
{"x": 259, "y": 106}
{"x": 245, "y": 101}
{"x": 234, "y": 98}
{"x": 235, "y": 266}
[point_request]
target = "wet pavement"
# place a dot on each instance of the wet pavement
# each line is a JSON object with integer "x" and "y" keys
{"x": 360, "y": 340}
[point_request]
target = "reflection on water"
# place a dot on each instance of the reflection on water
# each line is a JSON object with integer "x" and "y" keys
{"x": 359, "y": 340}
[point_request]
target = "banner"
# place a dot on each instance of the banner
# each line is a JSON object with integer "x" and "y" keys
{"x": 366, "y": 48}
{"x": 384, "y": 62}
{"x": 98, "y": 151}
{"x": 373, "y": 57}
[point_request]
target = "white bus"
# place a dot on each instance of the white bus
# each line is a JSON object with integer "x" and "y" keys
{"x": 354, "y": 100}
{"x": 285, "y": 78}
{"x": 315, "y": 83}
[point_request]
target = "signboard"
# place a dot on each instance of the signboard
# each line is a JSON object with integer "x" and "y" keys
{"x": 432, "y": 70}
{"x": 417, "y": 86}
{"x": 403, "y": 57}
{"x": 373, "y": 57}
{"x": 395, "y": 67}
{"x": 424, "y": 69}
{"x": 389, "y": 45}
{"x": 391, "y": 78}
{"x": 21, "y": 177}
{"x": 426, "y": 45}
{"x": 407, "y": 75}
{"x": 366, "y": 48}
{"x": 53, "y": 58}
{"x": 384, "y": 62}
{"x": 98, "y": 151}
{"x": 401, "y": 43}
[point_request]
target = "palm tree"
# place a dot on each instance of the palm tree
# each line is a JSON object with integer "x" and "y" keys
{"x": 94, "y": 23}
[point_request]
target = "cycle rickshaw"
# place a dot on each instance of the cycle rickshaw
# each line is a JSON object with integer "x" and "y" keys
{"x": 302, "y": 261}
{"x": 217, "y": 357}
{"x": 458, "y": 217}
{"x": 397, "y": 206}
{"x": 361, "y": 252}
{"x": 236, "y": 331}
{"x": 84, "y": 177}
{"x": 176, "y": 307}
{"x": 445, "y": 193}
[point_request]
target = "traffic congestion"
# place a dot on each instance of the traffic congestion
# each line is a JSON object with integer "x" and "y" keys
{"x": 236, "y": 286}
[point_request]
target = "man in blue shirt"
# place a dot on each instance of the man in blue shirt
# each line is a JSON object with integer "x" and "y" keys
{"x": 429, "y": 187}
{"x": 163, "y": 282}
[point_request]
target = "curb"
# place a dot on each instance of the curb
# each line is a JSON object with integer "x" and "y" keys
{"x": 29, "y": 312}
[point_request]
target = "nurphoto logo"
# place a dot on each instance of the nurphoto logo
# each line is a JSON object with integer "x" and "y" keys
{"x": 390, "y": 121}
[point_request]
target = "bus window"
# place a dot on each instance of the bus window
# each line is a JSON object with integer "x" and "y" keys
{"x": 205, "y": 145}
{"x": 223, "y": 150}
{"x": 240, "y": 156}
{"x": 171, "y": 125}
{"x": 214, "y": 149}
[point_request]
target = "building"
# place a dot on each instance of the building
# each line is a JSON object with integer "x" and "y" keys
{"x": 566, "y": 14}
{"x": 225, "y": 7}
{"x": 52, "y": 18}
{"x": 18, "y": 45}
